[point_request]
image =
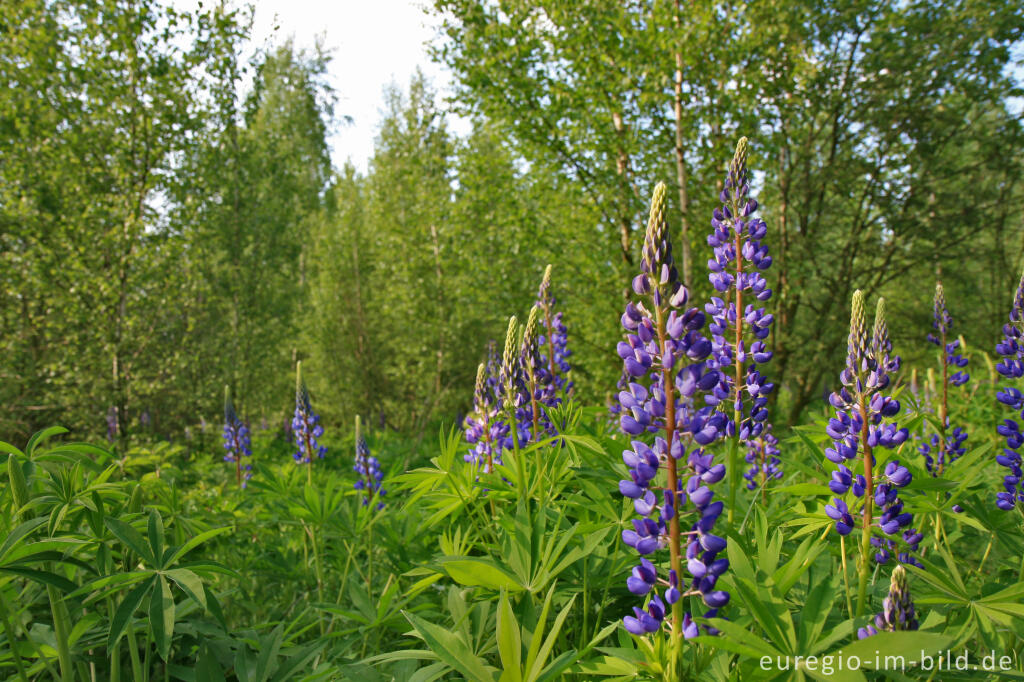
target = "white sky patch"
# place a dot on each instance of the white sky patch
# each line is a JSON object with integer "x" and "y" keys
{"x": 372, "y": 43}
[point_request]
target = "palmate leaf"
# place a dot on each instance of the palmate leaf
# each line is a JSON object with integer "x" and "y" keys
{"x": 132, "y": 539}
{"x": 451, "y": 649}
{"x": 510, "y": 644}
{"x": 161, "y": 616}
{"x": 40, "y": 437}
{"x": 192, "y": 543}
{"x": 190, "y": 584}
{"x": 44, "y": 577}
{"x": 125, "y": 610}
{"x": 479, "y": 572}
{"x": 907, "y": 645}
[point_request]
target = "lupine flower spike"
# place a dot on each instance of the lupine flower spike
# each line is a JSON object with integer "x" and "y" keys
{"x": 665, "y": 357}
{"x": 943, "y": 448}
{"x": 368, "y": 468}
{"x": 112, "y": 424}
{"x": 553, "y": 343}
{"x": 897, "y": 608}
{"x": 306, "y": 427}
{"x": 511, "y": 382}
{"x": 739, "y": 325}
{"x": 1011, "y": 369}
{"x": 485, "y": 430}
{"x": 858, "y": 428}
{"x": 236, "y": 441}
{"x": 531, "y": 414}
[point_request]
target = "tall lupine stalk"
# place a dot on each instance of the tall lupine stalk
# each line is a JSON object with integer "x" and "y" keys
{"x": 858, "y": 428}
{"x": 368, "y": 468}
{"x": 306, "y": 427}
{"x": 553, "y": 342}
{"x": 738, "y": 326}
{"x": 513, "y": 398}
{"x": 897, "y": 609}
{"x": 1011, "y": 369}
{"x": 485, "y": 430}
{"x": 236, "y": 441}
{"x": 947, "y": 445}
{"x": 529, "y": 356}
{"x": 664, "y": 354}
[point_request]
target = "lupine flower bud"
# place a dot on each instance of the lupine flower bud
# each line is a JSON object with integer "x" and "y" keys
{"x": 484, "y": 430}
{"x": 553, "y": 346}
{"x": 510, "y": 365}
{"x": 897, "y": 609}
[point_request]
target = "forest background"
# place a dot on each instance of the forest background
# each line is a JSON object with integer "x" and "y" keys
{"x": 166, "y": 230}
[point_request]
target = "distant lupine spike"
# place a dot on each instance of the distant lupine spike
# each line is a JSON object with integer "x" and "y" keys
{"x": 513, "y": 388}
{"x": 112, "y": 424}
{"x": 1011, "y": 369}
{"x": 494, "y": 371}
{"x": 664, "y": 356}
{"x": 940, "y": 450}
{"x": 484, "y": 429}
{"x": 897, "y": 609}
{"x": 306, "y": 425}
{"x": 763, "y": 457}
{"x": 553, "y": 343}
{"x": 738, "y": 331}
{"x": 858, "y": 428}
{"x": 236, "y": 441}
{"x": 368, "y": 468}
{"x": 532, "y": 416}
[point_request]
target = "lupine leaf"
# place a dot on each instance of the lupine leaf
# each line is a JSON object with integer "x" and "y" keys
{"x": 131, "y": 538}
{"x": 125, "y": 610}
{"x": 161, "y": 616}
{"x": 452, "y": 650}
{"x": 510, "y": 646}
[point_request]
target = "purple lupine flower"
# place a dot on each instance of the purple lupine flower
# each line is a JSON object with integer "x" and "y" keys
{"x": 112, "y": 423}
{"x": 538, "y": 394}
{"x": 943, "y": 448}
{"x": 763, "y": 457}
{"x": 664, "y": 355}
{"x": 236, "y": 441}
{"x": 1011, "y": 368}
{"x": 306, "y": 425}
{"x": 484, "y": 429}
{"x": 368, "y": 468}
{"x": 553, "y": 343}
{"x": 738, "y": 331}
{"x": 860, "y": 426}
{"x": 897, "y": 609}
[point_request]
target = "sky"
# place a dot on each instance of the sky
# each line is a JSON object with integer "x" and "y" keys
{"x": 373, "y": 43}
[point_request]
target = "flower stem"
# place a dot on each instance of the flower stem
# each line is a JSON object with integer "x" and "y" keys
{"x": 846, "y": 576}
{"x": 733, "y": 470}
{"x": 668, "y": 385}
{"x": 944, "y": 407}
{"x": 62, "y": 633}
{"x": 865, "y": 543}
